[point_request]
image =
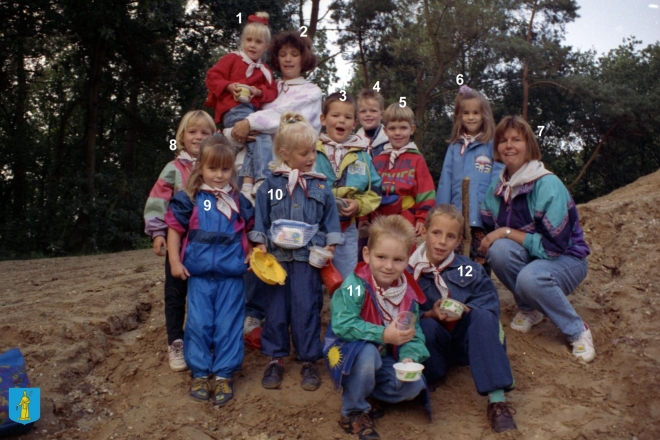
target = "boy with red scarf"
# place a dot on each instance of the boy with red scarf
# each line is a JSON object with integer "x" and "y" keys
{"x": 363, "y": 342}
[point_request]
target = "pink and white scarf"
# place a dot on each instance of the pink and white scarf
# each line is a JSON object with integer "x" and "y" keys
{"x": 390, "y": 298}
{"x": 223, "y": 200}
{"x": 296, "y": 177}
{"x": 252, "y": 65}
{"x": 337, "y": 151}
{"x": 467, "y": 140}
{"x": 420, "y": 263}
{"x": 529, "y": 172}
{"x": 395, "y": 153}
{"x": 184, "y": 155}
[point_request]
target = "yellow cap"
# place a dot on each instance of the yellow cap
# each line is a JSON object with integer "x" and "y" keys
{"x": 266, "y": 268}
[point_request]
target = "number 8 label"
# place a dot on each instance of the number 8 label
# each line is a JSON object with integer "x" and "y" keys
{"x": 172, "y": 144}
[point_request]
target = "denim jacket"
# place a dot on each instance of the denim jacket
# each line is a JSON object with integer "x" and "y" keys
{"x": 315, "y": 206}
{"x": 477, "y": 163}
{"x": 467, "y": 282}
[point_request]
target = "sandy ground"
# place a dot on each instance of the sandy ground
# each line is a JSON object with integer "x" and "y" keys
{"x": 92, "y": 332}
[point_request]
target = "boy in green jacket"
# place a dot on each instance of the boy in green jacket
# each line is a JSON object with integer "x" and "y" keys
{"x": 363, "y": 342}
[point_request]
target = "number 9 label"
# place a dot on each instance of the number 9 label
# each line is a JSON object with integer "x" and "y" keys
{"x": 207, "y": 205}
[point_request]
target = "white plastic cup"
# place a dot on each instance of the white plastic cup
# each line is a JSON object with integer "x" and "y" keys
{"x": 452, "y": 308}
{"x": 318, "y": 256}
{"x": 244, "y": 94}
{"x": 408, "y": 371}
{"x": 405, "y": 320}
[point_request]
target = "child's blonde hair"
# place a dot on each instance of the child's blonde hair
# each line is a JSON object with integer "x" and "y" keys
{"x": 447, "y": 210}
{"x": 487, "y": 122}
{"x": 373, "y": 95}
{"x": 191, "y": 119}
{"x": 396, "y": 113}
{"x": 257, "y": 28}
{"x": 215, "y": 151}
{"x": 294, "y": 131}
{"x": 393, "y": 226}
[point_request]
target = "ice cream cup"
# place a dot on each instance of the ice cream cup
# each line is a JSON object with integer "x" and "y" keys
{"x": 452, "y": 308}
{"x": 408, "y": 371}
{"x": 318, "y": 257}
{"x": 244, "y": 94}
{"x": 405, "y": 320}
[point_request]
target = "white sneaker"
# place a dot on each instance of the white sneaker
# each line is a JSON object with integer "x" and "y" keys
{"x": 583, "y": 348}
{"x": 177, "y": 362}
{"x": 524, "y": 321}
{"x": 250, "y": 324}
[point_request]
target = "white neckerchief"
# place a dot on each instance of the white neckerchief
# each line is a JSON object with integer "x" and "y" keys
{"x": 420, "y": 263}
{"x": 252, "y": 65}
{"x": 529, "y": 172}
{"x": 186, "y": 156}
{"x": 467, "y": 140}
{"x": 394, "y": 154}
{"x": 296, "y": 177}
{"x": 223, "y": 200}
{"x": 336, "y": 151}
{"x": 283, "y": 86}
{"x": 390, "y": 298}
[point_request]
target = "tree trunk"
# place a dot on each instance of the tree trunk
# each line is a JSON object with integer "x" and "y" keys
{"x": 313, "y": 19}
{"x": 595, "y": 153}
{"x": 363, "y": 60}
{"x": 91, "y": 125}
{"x": 525, "y": 79}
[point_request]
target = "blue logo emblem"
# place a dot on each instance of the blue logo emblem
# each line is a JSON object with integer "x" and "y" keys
{"x": 24, "y": 405}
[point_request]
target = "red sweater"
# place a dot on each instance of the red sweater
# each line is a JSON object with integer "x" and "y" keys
{"x": 408, "y": 187}
{"x": 231, "y": 69}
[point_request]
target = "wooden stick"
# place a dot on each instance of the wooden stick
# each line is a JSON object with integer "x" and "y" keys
{"x": 465, "y": 202}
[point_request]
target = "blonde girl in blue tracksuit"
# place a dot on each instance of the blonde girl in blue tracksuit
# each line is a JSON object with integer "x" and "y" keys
{"x": 295, "y": 211}
{"x": 207, "y": 244}
{"x": 470, "y": 154}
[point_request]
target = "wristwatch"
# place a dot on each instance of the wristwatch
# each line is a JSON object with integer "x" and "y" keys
{"x": 507, "y": 233}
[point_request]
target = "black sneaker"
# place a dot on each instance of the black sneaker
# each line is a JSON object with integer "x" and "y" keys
{"x": 359, "y": 423}
{"x": 311, "y": 380}
{"x": 273, "y": 375}
{"x": 500, "y": 415}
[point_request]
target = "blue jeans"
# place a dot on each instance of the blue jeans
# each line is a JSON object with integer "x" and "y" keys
{"x": 345, "y": 257}
{"x": 539, "y": 284}
{"x": 259, "y": 152}
{"x": 373, "y": 375}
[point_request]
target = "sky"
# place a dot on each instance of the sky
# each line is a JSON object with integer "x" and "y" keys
{"x": 602, "y": 25}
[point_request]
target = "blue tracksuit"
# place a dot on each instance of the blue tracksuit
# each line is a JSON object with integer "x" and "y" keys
{"x": 298, "y": 303}
{"x": 213, "y": 251}
{"x": 477, "y": 339}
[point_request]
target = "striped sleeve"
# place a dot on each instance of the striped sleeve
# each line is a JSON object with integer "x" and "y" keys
{"x": 159, "y": 198}
{"x": 425, "y": 190}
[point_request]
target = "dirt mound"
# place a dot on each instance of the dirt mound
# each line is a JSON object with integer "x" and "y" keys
{"x": 92, "y": 331}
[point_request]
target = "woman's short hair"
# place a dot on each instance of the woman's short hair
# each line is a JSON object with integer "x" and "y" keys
{"x": 293, "y": 39}
{"x": 521, "y": 126}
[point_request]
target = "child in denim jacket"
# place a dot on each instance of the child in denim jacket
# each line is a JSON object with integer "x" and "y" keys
{"x": 474, "y": 338}
{"x": 299, "y": 201}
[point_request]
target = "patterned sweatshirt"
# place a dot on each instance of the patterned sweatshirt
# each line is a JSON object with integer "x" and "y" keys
{"x": 171, "y": 180}
{"x": 408, "y": 187}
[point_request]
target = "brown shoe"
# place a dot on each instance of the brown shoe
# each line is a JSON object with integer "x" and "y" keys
{"x": 500, "y": 415}
{"x": 359, "y": 423}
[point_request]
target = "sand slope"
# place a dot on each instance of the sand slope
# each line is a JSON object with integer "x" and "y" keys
{"x": 92, "y": 331}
